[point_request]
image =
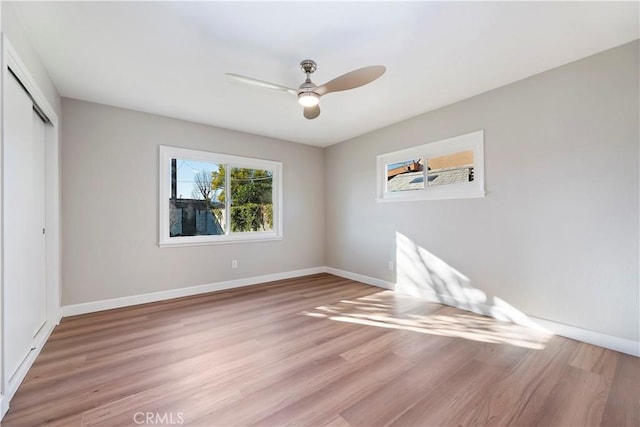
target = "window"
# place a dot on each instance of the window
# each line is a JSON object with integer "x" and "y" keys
{"x": 452, "y": 168}
{"x": 208, "y": 198}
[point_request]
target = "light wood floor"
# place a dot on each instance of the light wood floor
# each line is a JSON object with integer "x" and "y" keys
{"x": 315, "y": 351}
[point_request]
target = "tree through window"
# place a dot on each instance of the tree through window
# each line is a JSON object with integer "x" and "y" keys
{"x": 215, "y": 198}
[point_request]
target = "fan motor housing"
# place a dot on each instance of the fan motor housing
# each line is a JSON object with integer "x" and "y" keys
{"x": 308, "y": 66}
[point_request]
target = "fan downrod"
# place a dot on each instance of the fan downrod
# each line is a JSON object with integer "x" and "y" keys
{"x": 308, "y": 93}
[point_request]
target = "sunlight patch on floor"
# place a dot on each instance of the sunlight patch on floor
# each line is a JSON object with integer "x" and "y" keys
{"x": 386, "y": 310}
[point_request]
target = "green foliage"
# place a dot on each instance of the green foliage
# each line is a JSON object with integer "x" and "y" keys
{"x": 251, "y": 217}
{"x": 217, "y": 182}
{"x": 217, "y": 213}
{"x": 251, "y": 197}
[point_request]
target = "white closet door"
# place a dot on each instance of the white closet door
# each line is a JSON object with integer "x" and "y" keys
{"x": 24, "y": 250}
{"x": 38, "y": 295}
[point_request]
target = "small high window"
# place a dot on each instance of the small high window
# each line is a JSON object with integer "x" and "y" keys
{"x": 448, "y": 169}
{"x": 208, "y": 198}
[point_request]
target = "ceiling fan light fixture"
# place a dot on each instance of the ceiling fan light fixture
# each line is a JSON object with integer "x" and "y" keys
{"x": 309, "y": 93}
{"x": 308, "y": 99}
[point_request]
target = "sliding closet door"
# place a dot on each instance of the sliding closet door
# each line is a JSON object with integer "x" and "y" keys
{"x": 37, "y": 253}
{"x": 24, "y": 219}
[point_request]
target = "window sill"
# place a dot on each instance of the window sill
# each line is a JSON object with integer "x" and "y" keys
{"x": 219, "y": 240}
{"x": 415, "y": 196}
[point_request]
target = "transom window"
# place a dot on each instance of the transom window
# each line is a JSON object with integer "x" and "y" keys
{"x": 208, "y": 198}
{"x": 448, "y": 169}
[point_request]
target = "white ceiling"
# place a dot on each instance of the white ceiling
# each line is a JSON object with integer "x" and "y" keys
{"x": 169, "y": 58}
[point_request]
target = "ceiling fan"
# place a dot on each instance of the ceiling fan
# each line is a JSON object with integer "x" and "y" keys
{"x": 309, "y": 94}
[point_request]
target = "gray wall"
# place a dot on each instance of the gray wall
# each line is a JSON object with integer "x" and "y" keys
{"x": 557, "y": 234}
{"x": 556, "y": 237}
{"x": 110, "y": 206}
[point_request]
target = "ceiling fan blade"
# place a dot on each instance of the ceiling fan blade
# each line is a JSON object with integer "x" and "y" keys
{"x": 261, "y": 83}
{"x": 312, "y": 112}
{"x": 351, "y": 80}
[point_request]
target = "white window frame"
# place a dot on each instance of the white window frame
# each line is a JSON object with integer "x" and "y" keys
{"x": 471, "y": 141}
{"x": 167, "y": 153}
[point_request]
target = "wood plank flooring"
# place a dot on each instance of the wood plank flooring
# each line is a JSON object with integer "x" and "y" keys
{"x": 318, "y": 351}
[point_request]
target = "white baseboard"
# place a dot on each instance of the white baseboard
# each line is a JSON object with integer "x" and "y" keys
{"x": 611, "y": 342}
{"x": 622, "y": 345}
{"x": 4, "y": 406}
{"x": 13, "y": 383}
{"x": 91, "y": 307}
{"x": 360, "y": 278}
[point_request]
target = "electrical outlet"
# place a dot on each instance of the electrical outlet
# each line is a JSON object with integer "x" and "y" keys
{"x": 391, "y": 265}
{"x": 234, "y": 263}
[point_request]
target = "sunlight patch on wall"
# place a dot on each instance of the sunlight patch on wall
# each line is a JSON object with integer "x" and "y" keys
{"x": 422, "y": 274}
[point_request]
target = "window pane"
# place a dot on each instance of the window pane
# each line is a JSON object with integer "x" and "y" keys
{"x": 406, "y": 175}
{"x": 251, "y": 200}
{"x": 195, "y": 205}
{"x": 450, "y": 169}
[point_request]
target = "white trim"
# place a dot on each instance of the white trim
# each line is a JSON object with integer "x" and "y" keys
{"x": 4, "y": 401}
{"x": 473, "y": 141}
{"x": 22, "y": 72}
{"x": 166, "y": 153}
{"x": 4, "y": 406}
{"x": 52, "y": 172}
{"x": 622, "y": 345}
{"x": 21, "y": 373}
{"x": 11, "y": 59}
{"x": 361, "y": 278}
{"x": 611, "y": 342}
{"x": 90, "y": 307}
